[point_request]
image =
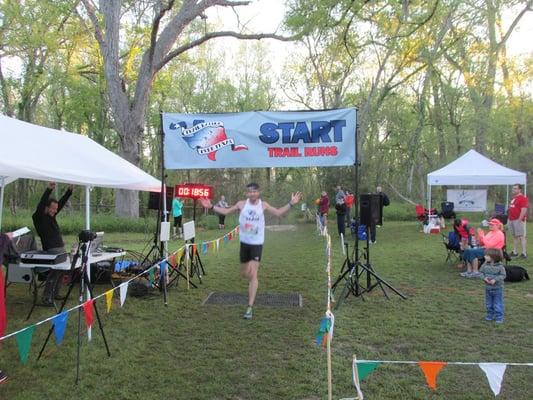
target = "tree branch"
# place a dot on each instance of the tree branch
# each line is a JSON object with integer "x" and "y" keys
{"x": 91, "y": 11}
{"x": 211, "y": 35}
{"x": 155, "y": 28}
{"x": 527, "y": 8}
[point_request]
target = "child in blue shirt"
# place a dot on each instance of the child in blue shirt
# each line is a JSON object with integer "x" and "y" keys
{"x": 493, "y": 274}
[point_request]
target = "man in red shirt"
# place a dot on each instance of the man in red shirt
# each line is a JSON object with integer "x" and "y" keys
{"x": 517, "y": 219}
{"x": 348, "y": 201}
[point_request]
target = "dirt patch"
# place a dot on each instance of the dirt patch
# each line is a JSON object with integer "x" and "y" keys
{"x": 280, "y": 228}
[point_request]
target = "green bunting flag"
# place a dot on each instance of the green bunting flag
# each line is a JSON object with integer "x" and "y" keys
{"x": 365, "y": 368}
{"x": 24, "y": 342}
{"x": 151, "y": 276}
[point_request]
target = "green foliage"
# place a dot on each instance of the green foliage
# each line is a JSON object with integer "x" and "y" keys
{"x": 209, "y": 352}
{"x": 71, "y": 223}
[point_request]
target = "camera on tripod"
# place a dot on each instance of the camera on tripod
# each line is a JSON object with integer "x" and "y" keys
{"x": 86, "y": 236}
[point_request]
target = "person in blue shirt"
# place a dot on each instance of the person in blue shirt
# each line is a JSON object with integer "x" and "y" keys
{"x": 177, "y": 213}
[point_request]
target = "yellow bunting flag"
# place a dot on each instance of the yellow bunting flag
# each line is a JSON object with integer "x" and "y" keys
{"x": 109, "y": 299}
{"x": 180, "y": 254}
{"x": 431, "y": 370}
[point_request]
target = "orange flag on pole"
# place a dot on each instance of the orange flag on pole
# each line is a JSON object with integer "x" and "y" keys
{"x": 431, "y": 370}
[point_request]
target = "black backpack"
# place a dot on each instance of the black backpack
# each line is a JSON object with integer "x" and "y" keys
{"x": 515, "y": 273}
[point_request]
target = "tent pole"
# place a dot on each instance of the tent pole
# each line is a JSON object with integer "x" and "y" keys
{"x": 164, "y": 249}
{"x": 87, "y": 207}
{"x": 88, "y": 227}
{"x": 429, "y": 197}
{"x": 2, "y": 184}
{"x": 507, "y": 196}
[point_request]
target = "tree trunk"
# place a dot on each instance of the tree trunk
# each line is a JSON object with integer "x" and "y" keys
{"x": 127, "y": 201}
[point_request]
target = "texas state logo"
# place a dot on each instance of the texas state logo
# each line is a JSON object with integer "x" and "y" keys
{"x": 207, "y": 138}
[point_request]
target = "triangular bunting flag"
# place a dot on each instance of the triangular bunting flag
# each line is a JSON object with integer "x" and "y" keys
{"x": 23, "y": 339}
{"x": 230, "y": 236}
{"x": 225, "y": 238}
{"x": 365, "y": 368}
{"x": 325, "y": 325}
{"x": 109, "y": 299}
{"x": 180, "y": 254}
{"x": 237, "y": 230}
{"x": 494, "y": 372}
{"x": 60, "y": 323}
{"x": 162, "y": 269}
{"x": 194, "y": 250}
{"x": 218, "y": 244}
{"x": 431, "y": 370}
{"x": 172, "y": 260}
{"x": 88, "y": 310}
{"x": 356, "y": 382}
{"x": 204, "y": 248}
{"x": 123, "y": 293}
{"x": 331, "y": 318}
{"x": 151, "y": 276}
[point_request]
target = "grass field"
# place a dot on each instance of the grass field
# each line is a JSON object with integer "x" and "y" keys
{"x": 190, "y": 351}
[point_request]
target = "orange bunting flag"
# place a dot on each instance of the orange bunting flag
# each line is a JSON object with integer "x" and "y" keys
{"x": 193, "y": 250}
{"x": 172, "y": 260}
{"x": 431, "y": 370}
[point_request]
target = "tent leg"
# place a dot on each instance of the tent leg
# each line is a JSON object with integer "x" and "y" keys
{"x": 2, "y": 184}
{"x": 429, "y": 197}
{"x": 87, "y": 207}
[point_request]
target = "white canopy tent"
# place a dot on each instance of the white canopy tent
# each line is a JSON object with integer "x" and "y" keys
{"x": 35, "y": 152}
{"x": 473, "y": 168}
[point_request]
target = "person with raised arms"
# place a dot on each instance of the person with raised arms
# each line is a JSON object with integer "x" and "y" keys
{"x": 252, "y": 233}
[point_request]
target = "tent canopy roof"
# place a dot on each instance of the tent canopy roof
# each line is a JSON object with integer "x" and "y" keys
{"x": 473, "y": 168}
{"x": 35, "y": 152}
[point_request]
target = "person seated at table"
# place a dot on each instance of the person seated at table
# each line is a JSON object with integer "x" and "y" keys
{"x": 44, "y": 220}
{"x": 495, "y": 238}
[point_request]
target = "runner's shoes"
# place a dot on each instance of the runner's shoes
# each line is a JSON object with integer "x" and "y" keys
{"x": 248, "y": 314}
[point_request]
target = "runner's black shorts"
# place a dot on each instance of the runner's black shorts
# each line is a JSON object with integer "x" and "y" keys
{"x": 251, "y": 252}
{"x": 177, "y": 221}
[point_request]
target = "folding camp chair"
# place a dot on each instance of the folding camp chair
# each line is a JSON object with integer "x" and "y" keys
{"x": 446, "y": 208}
{"x": 421, "y": 215}
{"x": 499, "y": 213}
{"x": 452, "y": 245}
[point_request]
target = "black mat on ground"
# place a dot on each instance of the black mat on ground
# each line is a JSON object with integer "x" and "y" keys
{"x": 264, "y": 299}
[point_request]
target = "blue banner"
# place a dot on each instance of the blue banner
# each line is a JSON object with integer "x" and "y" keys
{"x": 260, "y": 139}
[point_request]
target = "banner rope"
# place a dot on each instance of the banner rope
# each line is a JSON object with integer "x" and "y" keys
{"x": 166, "y": 259}
{"x": 447, "y": 362}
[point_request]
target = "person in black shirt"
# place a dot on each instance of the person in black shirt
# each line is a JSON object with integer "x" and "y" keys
{"x": 384, "y": 201}
{"x": 340, "y": 208}
{"x": 44, "y": 220}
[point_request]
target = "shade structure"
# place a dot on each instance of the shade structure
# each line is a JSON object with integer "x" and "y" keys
{"x": 36, "y": 152}
{"x": 473, "y": 168}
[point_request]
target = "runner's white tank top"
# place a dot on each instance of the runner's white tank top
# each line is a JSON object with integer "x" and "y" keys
{"x": 252, "y": 223}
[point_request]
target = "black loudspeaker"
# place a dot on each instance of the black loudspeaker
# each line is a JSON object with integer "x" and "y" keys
{"x": 370, "y": 209}
{"x": 155, "y": 197}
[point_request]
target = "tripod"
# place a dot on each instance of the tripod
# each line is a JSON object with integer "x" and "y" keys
{"x": 83, "y": 250}
{"x": 352, "y": 271}
{"x": 196, "y": 267}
